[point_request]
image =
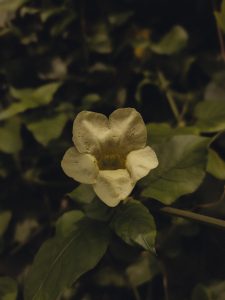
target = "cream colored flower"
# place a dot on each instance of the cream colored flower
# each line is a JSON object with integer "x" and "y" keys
{"x": 109, "y": 153}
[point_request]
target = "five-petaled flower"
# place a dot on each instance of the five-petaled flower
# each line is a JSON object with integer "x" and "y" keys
{"x": 109, "y": 153}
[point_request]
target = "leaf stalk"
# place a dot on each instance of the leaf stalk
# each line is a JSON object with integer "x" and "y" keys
{"x": 194, "y": 216}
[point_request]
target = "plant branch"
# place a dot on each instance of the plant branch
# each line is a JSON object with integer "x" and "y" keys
{"x": 132, "y": 287}
{"x": 165, "y": 280}
{"x": 164, "y": 86}
{"x": 194, "y": 216}
{"x": 221, "y": 41}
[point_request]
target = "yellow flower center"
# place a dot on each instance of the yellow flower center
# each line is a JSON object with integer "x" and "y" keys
{"x": 111, "y": 161}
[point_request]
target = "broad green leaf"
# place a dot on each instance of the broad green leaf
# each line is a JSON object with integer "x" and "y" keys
{"x": 134, "y": 224}
{"x": 98, "y": 210}
{"x": 40, "y": 96}
{"x": 48, "y": 129}
{"x": 8, "y": 288}
{"x": 220, "y": 16}
{"x": 210, "y": 115}
{"x": 12, "y": 5}
{"x": 10, "y": 137}
{"x": 62, "y": 260}
{"x": 174, "y": 41}
{"x": 67, "y": 222}
{"x": 29, "y": 98}
{"x": 159, "y": 132}
{"x": 5, "y": 217}
{"x": 216, "y": 166}
{"x": 182, "y": 164}
{"x": 83, "y": 194}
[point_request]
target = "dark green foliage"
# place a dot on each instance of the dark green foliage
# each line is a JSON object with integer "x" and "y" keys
{"x": 166, "y": 59}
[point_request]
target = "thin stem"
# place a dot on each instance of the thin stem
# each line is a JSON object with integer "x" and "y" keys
{"x": 221, "y": 199}
{"x": 169, "y": 96}
{"x": 132, "y": 287}
{"x": 216, "y": 136}
{"x": 135, "y": 292}
{"x": 173, "y": 105}
{"x": 194, "y": 216}
{"x": 165, "y": 280}
{"x": 221, "y": 41}
{"x": 220, "y": 34}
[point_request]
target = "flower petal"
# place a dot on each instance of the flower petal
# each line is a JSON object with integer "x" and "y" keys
{"x": 90, "y": 132}
{"x": 112, "y": 186}
{"x": 81, "y": 167}
{"x": 128, "y": 126}
{"x": 140, "y": 162}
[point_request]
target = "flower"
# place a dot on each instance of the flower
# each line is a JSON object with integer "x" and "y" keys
{"x": 109, "y": 153}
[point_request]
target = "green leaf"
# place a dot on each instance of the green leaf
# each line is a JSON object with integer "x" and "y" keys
{"x": 5, "y": 218}
{"x": 8, "y": 288}
{"x": 174, "y": 41}
{"x": 48, "y": 129}
{"x": 67, "y": 222}
{"x": 110, "y": 276}
{"x": 89, "y": 100}
{"x": 182, "y": 164}
{"x": 216, "y": 166}
{"x": 215, "y": 90}
{"x": 119, "y": 19}
{"x": 98, "y": 210}
{"x": 144, "y": 269}
{"x": 61, "y": 261}
{"x": 10, "y": 137}
{"x": 215, "y": 291}
{"x": 24, "y": 230}
{"x": 30, "y": 98}
{"x": 210, "y": 115}
{"x": 83, "y": 194}
{"x": 134, "y": 224}
{"x": 48, "y": 13}
{"x": 200, "y": 292}
{"x": 100, "y": 41}
{"x": 11, "y": 5}
{"x": 160, "y": 132}
{"x": 62, "y": 24}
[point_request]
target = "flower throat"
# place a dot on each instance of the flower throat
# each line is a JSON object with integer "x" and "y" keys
{"x": 111, "y": 162}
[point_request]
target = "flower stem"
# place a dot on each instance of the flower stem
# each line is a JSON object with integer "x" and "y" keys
{"x": 132, "y": 287}
{"x": 194, "y": 216}
{"x": 164, "y": 86}
{"x": 173, "y": 106}
{"x": 219, "y": 33}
